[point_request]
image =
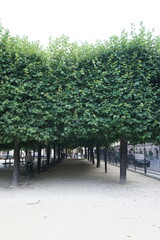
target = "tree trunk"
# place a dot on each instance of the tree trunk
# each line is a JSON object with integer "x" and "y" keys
{"x": 88, "y": 153}
{"x": 59, "y": 153}
{"x": 91, "y": 154}
{"x": 39, "y": 158}
{"x": 85, "y": 153}
{"x": 34, "y": 153}
{"x": 48, "y": 154}
{"x": 123, "y": 160}
{"x": 105, "y": 159}
{"x": 66, "y": 155}
{"x": 15, "y": 177}
{"x": 109, "y": 155}
{"x": 98, "y": 156}
{"x": 54, "y": 159}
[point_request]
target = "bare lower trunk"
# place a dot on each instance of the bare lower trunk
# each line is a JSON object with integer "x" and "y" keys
{"x": 123, "y": 161}
{"x": 39, "y": 158}
{"x": 59, "y": 153}
{"x": 88, "y": 153}
{"x": 48, "y": 155}
{"x": 105, "y": 159}
{"x": 98, "y": 156}
{"x": 85, "y": 153}
{"x": 15, "y": 177}
{"x": 54, "y": 160}
{"x": 91, "y": 154}
{"x": 66, "y": 155}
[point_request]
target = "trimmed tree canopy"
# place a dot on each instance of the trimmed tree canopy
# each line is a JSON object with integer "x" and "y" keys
{"x": 67, "y": 93}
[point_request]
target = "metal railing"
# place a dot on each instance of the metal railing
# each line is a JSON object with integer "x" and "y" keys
{"x": 113, "y": 157}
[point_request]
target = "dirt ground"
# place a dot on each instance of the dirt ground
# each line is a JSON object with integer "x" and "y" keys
{"x": 76, "y": 201}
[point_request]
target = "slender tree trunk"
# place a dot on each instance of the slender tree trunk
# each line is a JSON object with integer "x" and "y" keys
{"x": 123, "y": 161}
{"x": 48, "y": 154}
{"x": 88, "y": 153}
{"x": 34, "y": 153}
{"x": 54, "y": 161}
{"x": 59, "y": 153}
{"x": 39, "y": 158}
{"x": 98, "y": 156}
{"x": 85, "y": 153}
{"x": 15, "y": 177}
{"x": 92, "y": 154}
{"x": 93, "y": 160}
{"x": 105, "y": 159}
{"x": 109, "y": 155}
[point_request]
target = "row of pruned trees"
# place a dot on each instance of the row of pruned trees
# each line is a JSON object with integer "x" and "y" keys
{"x": 79, "y": 94}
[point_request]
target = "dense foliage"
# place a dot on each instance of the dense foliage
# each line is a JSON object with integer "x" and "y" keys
{"x": 72, "y": 93}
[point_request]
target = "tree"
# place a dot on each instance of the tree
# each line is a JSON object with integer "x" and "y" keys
{"x": 23, "y": 106}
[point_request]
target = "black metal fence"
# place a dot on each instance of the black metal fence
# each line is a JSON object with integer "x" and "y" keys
{"x": 139, "y": 162}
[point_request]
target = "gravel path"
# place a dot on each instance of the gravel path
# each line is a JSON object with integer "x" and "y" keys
{"x": 76, "y": 201}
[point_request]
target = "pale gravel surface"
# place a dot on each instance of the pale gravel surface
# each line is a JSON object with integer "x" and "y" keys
{"x": 77, "y": 201}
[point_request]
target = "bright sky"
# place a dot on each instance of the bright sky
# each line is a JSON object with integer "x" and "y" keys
{"x": 79, "y": 19}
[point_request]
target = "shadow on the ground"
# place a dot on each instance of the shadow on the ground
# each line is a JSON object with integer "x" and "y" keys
{"x": 75, "y": 171}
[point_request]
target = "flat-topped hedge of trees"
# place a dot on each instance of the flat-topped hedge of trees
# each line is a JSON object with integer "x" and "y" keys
{"x": 79, "y": 94}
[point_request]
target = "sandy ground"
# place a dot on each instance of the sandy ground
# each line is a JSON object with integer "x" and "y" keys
{"x": 76, "y": 201}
